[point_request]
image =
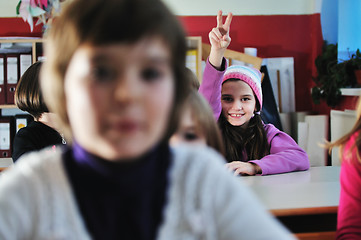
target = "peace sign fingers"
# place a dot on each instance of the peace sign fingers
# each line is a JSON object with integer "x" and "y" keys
{"x": 219, "y": 19}
{"x": 227, "y": 24}
{"x": 219, "y": 39}
{"x": 224, "y": 28}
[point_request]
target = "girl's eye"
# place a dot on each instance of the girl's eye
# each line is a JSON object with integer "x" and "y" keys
{"x": 103, "y": 74}
{"x": 245, "y": 99}
{"x": 227, "y": 99}
{"x": 189, "y": 136}
{"x": 151, "y": 74}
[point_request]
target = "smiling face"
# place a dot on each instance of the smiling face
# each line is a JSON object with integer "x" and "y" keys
{"x": 238, "y": 102}
{"x": 119, "y": 97}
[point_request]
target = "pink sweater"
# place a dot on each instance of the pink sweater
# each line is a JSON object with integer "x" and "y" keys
{"x": 285, "y": 154}
{"x": 349, "y": 209}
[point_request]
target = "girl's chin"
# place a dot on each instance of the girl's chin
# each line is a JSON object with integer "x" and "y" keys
{"x": 236, "y": 124}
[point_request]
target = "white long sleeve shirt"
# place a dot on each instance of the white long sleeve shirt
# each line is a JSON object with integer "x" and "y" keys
{"x": 204, "y": 201}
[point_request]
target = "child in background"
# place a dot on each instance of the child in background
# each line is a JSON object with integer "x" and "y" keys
{"x": 349, "y": 208}
{"x": 193, "y": 79}
{"x": 235, "y": 94}
{"x": 117, "y": 92}
{"x": 41, "y": 132}
{"x": 197, "y": 125}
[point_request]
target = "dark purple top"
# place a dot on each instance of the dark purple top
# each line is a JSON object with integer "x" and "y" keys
{"x": 119, "y": 200}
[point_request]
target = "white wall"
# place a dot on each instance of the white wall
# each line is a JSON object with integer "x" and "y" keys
{"x": 211, "y": 7}
{"x": 8, "y": 8}
{"x": 244, "y": 7}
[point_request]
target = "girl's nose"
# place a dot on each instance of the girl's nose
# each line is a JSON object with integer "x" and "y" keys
{"x": 127, "y": 87}
{"x": 237, "y": 105}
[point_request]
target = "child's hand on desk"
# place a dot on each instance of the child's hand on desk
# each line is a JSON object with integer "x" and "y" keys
{"x": 243, "y": 168}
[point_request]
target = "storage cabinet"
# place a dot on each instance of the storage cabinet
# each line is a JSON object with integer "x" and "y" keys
{"x": 26, "y": 51}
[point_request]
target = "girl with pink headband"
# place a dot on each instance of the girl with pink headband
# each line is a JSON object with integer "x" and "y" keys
{"x": 235, "y": 95}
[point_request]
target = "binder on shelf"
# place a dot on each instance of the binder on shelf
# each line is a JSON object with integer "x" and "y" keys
{"x": 22, "y": 120}
{"x": 12, "y": 76}
{"x": 6, "y": 136}
{"x": 39, "y": 52}
{"x": 25, "y": 62}
{"x": 191, "y": 60}
{"x": 2, "y": 80}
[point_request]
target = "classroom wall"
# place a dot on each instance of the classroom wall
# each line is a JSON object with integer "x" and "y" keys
{"x": 7, "y": 8}
{"x": 244, "y": 7}
{"x": 11, "y": 25}
{"x": 277, "y": 28}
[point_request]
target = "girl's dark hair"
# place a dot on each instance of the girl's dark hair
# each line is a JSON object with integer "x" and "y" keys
{"x": 28, "y": 95}
{"x": 252, "y": 139}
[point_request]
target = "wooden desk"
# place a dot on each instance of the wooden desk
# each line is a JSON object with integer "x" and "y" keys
{"x": 305, "y": 201}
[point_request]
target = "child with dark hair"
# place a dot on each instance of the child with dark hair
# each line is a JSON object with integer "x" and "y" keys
{"x": 235, "y": 94}
{"x": 41, "y": 132}
{"x": 114, "y": 73}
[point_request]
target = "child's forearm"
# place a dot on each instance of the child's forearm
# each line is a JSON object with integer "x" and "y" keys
{"x": 220, "y": 40}
{"x": 216, "y": 57}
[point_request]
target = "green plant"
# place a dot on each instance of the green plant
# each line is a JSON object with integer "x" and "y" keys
{"x": 333, "y": 75}
{"x": 356, "y": 60}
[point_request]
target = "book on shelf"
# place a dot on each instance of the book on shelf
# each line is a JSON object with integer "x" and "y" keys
{"x": 191, "y": 60}
{"x": 6, "y": 136}
{"x": 2, "y": 80}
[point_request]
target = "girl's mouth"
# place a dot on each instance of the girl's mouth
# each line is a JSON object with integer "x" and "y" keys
{"x": 236, "y": 115}
{"x": 126, "y": 126}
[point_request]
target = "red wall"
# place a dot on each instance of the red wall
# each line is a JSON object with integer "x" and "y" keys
{"x": 10, "y": 27}
{"x": 298, "y": 36}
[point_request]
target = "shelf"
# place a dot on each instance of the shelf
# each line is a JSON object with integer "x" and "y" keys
{"x": 20, "y": 40}
{"x": 8, "y": 106}
{"x": 195, "y": 43}
{"x": 33, "y": 40}
{"x": 351, "y": 91}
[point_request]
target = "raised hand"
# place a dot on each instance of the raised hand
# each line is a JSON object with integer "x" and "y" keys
{"x": 219, "y": 39}
{"x": 219, "y": 36}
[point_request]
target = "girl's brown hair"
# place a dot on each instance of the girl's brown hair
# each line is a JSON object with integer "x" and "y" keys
{"x": 205, "y": 123}
{"x": 193, "y": 79}
{"x": 343, "y": 140}
{"x": 28, "y": 96}
{"x": 99, "y": 22}
{"x": 253, "y": 139}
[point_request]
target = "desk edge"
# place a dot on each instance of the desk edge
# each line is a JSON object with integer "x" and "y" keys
{"x": 304, "y": 211}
